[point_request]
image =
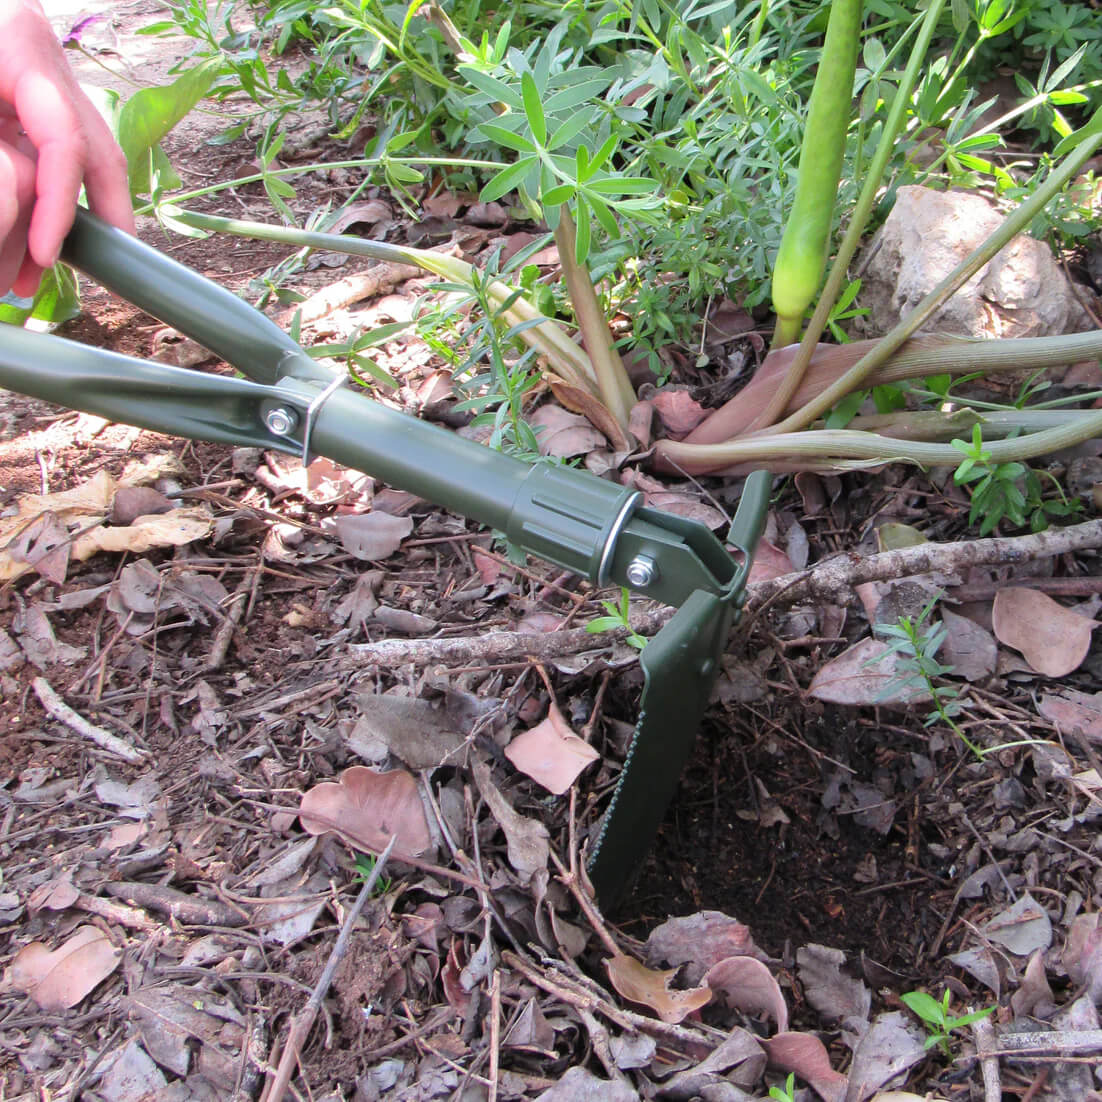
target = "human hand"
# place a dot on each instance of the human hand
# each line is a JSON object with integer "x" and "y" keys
{"x": 52, "y": 140}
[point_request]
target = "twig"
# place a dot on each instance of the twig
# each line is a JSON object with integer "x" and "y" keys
{"x": 495, "y": 1034}
{"x": 239, "y": 601}
{"x": 104, "y": 739}
{"x": 1051, "y": 1043}
{"x": 302, "y": 1022}
{"x": 831, "y": 581}
{"x": 989, "y": 1065}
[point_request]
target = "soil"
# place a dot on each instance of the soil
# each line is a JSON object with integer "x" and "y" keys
{"x": 858, "y": 829}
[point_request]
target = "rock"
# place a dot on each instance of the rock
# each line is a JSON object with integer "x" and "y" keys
{"x": 1021, "y": 293}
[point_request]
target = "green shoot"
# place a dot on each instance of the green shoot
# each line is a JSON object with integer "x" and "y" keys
{"x": 916, "y": 641}
{"x": 937, "y": 1019}
{"x": 785, "y": 1093}
{"x": 617, "y": 618}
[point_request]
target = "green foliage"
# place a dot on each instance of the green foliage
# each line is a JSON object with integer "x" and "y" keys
{"x": 1006, "y": 491}
{"x": 937, "y": 1019}
{"x": 57, "y": 300}
{"x": 365, "y": 865}
{"x": 915, "y": 640}
{"x": 617, "y": 617}
{"x": 492, "y": 370}
{"x": 785, "y": 1093}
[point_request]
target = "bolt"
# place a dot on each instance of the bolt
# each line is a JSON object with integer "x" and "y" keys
{"x": 642, "y": 571}
{"x": 280, "y": 421}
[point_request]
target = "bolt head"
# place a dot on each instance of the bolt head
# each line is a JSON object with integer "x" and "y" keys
{"x": 280, "y": 421}
{"x": 642, "y": 571}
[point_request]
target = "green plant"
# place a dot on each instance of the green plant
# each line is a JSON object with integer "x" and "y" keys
{"x": 617, "y": 617}
{"x": 785, "y": 1093}
{"x": 915, "y": 642}
{"x": 1006, "y": 491}
{"x": 365, "y": 865}
{"x": 937, "y": 1019}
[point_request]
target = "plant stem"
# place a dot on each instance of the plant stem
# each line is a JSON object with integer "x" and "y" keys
{"x": 819, "y": 447}
{"x": 547, "y": 337}
{"x": 857, "y": 223}
{"x": 1016, "y": 222}
{"x": 612, "y": 381}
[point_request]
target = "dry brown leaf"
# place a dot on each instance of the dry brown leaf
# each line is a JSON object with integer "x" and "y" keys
{"x": 678, "y": 411}
{"x": 563, "y": 434}
{"x": 526, "y": 843}
{"x": 1082, "y": 954}
{"x": 1053, "y": 639}
{"x": 59, "y": 979}
{"x": 1074, "y": 711}
{"x": 639, "y": 984}
{"x": 550, "y": 753}
{"x": 769, "y": 562}
{"x": 699, "y": 941}
{"x": 593, "y": 410}
{"x": 371, "y": 536}
{"x": 173, "y": 529}
{"x": 864, "y": 674}
{"x": 131, "y": 502}
{"x": 828, "y": 989}
{"x": 747, "y": 985}
{"x": 368, "y": 807}
{"x": 54, "y": 895}
{"x": 806, "y": 1056}
{"x": 968, "y": 648}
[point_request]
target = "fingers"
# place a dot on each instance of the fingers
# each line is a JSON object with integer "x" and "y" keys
{"x": 72, "y": 143}
{"x": 17, "y": 175}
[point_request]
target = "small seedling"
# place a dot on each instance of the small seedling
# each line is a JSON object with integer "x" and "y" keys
{"x": 785, "y": 1093}
{"x": 365, "y": 866}
{"x": 617, "y": 618}
{"x": 916, "y": 641}
{"x": 937, "y": 1019}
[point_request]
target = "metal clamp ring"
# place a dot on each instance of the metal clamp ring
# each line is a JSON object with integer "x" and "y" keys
{"x": 312, "y": 412}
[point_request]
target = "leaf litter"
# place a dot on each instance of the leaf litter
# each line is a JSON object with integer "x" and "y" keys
{"x": 259, "y": 826}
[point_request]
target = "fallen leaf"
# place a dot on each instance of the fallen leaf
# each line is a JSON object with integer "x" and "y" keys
{"x": 736, "y": 1062}
{"x": 1023, "y": 928}
{"x": 550, "y": 753}
{"x": 131, "y": 502}
{"x": 1034, "y": 993}
{"x": 699, "y": 941}
{"x": 526, "y": 840}
{"x": 54, "y": 895}
{"x": 1074, "y": 711}
{"x": 639, "y": 984}
{"x": 174, "y": 529}
{"x": 564, "y": 434}
{"x": 131, "y": 1076}
{"x": 59, "y": 979}
{"x": 747, "y": 985}
{"x": 678, "y": 411}
{"x": 1082, "y": 954}
{"x": 579, "y": 400}
{"x": 981, "y": 963}
{"x": 968, "y": 648}
{"x": 806, "y": 1056}
{"x": 579, "y": 1085}
{"x": 891, "y": 1045}
{"x": 415, "y": 731}
{"x": 372, "y": 536}
{"x": 1053, "y": 639}
{"x": 367, "y": 808}
{"x": 863, "y": 674}
{"x": 769, "y": 562}
{"x": 836, "y": 996}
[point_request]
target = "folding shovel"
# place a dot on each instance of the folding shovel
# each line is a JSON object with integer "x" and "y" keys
{"x": 293, "y": 404}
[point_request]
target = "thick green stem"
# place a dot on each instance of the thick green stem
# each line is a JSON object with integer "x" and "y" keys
{"x": 858, "y": 220}
{"x": 820, "y": 447}
{"x": 806, "y": 241}
{"x": 612, "y": 380}
{"x": 1015, "y": 223}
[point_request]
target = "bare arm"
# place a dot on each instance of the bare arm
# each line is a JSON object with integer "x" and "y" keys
{"x": 51, "y": 135}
